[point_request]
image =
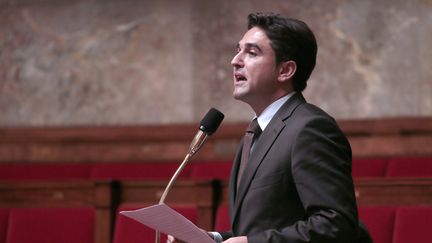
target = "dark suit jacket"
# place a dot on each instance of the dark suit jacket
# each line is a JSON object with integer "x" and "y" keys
{"x": 297, "y": 185}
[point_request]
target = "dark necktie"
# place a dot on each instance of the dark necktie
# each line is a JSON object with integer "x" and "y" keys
{"x": 253, "y": 131}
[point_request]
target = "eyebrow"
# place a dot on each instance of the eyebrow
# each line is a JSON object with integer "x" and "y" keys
{"x": 251, "y": 46}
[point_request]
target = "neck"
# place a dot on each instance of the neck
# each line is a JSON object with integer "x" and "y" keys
{"x": 259, "y": 107}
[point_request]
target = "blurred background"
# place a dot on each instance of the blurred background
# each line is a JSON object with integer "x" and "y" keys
{"x": 112, "y": 62}
{"x": 99, "y": 100}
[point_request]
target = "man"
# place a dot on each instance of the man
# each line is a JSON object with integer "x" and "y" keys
{"x": 296, "y": 184}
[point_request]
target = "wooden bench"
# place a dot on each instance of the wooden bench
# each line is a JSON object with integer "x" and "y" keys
{"x": 199, "y": 194}
{"x": 393, "y": 191}
{"x": 32, "y": 194}
{"x": 382, "y": 191}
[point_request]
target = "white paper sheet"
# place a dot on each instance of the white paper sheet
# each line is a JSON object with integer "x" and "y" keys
{"x": 166, "y": 220}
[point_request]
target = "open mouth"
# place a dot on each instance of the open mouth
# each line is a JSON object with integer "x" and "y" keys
{"x": 239, "y": 77}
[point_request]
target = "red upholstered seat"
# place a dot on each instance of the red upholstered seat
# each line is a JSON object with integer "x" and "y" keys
{"x": 211, "y": 170}
{"x": 130, "y": 231}
{"x": 43, "y": 225}
{"x": 379, "y": 222}
{"x": 373, "y": 167}
{"x": 413, "y": 225}
{"x": 222, "y": 221}
{"x": 148, "y": 171}
{"x": 4, "y": 217}
{"x": 410, "y": 167}
{"x": 44, "y": 171}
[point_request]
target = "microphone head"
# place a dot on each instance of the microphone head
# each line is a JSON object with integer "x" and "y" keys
{"x": 211, "y": 121}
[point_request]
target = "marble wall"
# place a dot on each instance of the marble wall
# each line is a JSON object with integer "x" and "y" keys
{"x": 123, "y": 62}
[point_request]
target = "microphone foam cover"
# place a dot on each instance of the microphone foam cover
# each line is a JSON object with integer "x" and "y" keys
{"x": 211, "y": 121}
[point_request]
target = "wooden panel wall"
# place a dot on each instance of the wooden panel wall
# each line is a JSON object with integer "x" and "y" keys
{"x": 368, "y": 138}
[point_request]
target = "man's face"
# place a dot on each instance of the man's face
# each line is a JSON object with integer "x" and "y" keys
{"x": 254, "y": 69}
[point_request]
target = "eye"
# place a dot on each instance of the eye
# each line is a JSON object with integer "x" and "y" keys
{"x": 252, "y": 53}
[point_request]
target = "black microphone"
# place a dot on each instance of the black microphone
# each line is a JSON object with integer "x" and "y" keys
{"x": 211, "y": 121}
{"x": 208, "y": 125}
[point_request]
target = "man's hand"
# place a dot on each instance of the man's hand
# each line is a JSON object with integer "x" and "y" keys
{"x": 240, "y": 239}
{"x": 172, "y": 239}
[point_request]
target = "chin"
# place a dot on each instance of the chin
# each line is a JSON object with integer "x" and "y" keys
{"x": 240, "y": 97}
{"x": 237, "y": 96}
{"x": 240, "y": 94}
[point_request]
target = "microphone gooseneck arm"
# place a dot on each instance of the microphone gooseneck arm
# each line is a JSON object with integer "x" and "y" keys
{"x": 196, "y": 144}
{"x": 208, "y": 126}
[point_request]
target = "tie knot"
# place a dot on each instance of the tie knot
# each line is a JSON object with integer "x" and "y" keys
{"x": 254, "y": 127}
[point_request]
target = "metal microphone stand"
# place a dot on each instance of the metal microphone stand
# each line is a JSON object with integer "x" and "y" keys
{"x": 196, "y": 144}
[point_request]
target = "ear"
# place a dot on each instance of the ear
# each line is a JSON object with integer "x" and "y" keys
{"x": 286, "y": 70}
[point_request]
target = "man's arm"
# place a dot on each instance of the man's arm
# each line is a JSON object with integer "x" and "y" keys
{"x": 239, "y": 239}
{"x": 321, "y": 170}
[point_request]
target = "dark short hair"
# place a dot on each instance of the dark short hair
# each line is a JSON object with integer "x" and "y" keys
{"x": 291, "y": 39}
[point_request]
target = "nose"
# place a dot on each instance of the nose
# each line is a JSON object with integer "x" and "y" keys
{"x": 237, "y": 60}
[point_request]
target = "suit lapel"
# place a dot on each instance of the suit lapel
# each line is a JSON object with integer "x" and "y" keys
{"x": 233, "y": 181}
{"x": 262, "y": 146}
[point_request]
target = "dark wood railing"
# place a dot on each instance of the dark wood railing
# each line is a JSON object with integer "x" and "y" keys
{"x": 369, "y": 138}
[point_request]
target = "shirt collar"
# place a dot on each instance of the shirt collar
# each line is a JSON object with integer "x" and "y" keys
{"x": 268, "y": 113}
